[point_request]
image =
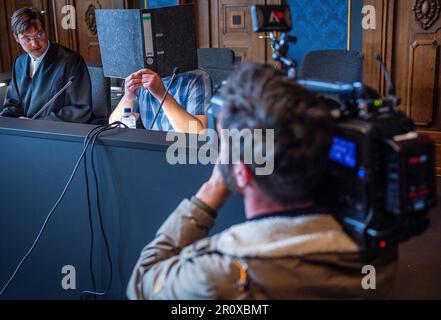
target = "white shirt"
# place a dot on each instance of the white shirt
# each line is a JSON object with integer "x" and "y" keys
{"x": 35, "y": 63}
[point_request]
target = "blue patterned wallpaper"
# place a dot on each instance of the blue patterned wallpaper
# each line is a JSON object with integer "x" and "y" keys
{"x": 161, "y": 3}
{"x": 318, "y": 25}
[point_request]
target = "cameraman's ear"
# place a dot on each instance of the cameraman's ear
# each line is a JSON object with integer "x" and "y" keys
{"x": 242, "y": 174}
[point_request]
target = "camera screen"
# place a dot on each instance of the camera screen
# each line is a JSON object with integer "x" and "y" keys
{"x": 344, "y": 152}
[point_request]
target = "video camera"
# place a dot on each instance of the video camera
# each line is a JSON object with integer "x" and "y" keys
{"x": 380, "y": 181}
{"x": 276, "y": 19}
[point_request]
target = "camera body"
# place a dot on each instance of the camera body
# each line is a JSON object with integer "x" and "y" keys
{"x": 380, "y": 180}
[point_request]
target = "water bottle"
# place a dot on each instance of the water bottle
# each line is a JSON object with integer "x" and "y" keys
{"x": 128, "y": 118}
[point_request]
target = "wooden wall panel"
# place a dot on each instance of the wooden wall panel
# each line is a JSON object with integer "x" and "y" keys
{"x": 230, "y": 27}
{"x": 426, "y": 16}
{"x": 379, "y": 41}
{"x": 65, "y": 37}
{"x": 214, "y": 24}
{"x": 88, "y": 44}
{"x": 408, "y": 35}
{"x": 84, "y": 38}
{"x": 235, "y": 31}
{"x": 203, "y": 24}
{"x": 402, "y": 43}
{"x": 5, "y": 49}
{"x": 10, "y": 49}
{"x": 423, "y": 65}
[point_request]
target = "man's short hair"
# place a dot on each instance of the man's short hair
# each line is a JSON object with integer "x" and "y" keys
{"x": 25, "y": 19}
{"x": 257, "y": 97}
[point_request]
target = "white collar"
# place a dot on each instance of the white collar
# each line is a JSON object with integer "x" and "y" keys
{"x": 282, "y": 236}
{"x": 43, "y": 55}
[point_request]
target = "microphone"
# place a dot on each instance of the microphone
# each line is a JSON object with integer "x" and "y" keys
{"x": 175, "y": 73}
{"x": 68, "y": 84}
{"x": 387, "y": 75}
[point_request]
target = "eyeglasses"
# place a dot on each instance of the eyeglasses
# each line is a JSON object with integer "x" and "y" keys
{"x": 37, "y": 37}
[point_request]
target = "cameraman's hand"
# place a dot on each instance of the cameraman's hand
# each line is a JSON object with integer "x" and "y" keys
{"x": 153, "y": 82}
{"x": 214, "y": 192}
{"x": 132, "y": 84}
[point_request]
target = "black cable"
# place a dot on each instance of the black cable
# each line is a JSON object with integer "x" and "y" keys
{"x": 46, "y": 221}
{"x": 100, "y": 213}
{"x": 92, "y": 273}
{"x": 93, "y": 139}
{"x": 86, "y": 144}
{"x": 94, "y": 292}
{"x": 90, "y": 225}
{"x": 90, "y": 213}
{"x": 90, "y": 137}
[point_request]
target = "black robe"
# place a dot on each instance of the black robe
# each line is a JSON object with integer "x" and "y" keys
{"x": 26, "y": 96}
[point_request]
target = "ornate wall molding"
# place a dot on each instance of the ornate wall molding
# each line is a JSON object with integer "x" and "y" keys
{"x": 427, "y": 15}
{"x": 90, "y": 19}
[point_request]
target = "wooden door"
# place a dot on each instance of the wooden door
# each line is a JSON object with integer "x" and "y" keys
{"x": 408, "y": 36}
{"x": 5, "y": 45}
{"x": 227, "y": 24}
{"x": 416, "y": 57}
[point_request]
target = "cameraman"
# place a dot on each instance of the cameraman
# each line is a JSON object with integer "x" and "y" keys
{"x": 287, "y": 249}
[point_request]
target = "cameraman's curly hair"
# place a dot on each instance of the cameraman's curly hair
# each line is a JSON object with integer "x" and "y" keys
{"x": 257, "y": 97}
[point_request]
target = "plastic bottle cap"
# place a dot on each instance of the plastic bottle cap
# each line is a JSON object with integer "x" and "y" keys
{"x": 127, "y": 110}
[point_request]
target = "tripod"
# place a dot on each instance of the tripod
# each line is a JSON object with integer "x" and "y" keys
{"x": 280, "y": 52}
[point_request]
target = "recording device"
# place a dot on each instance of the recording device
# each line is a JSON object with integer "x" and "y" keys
{"x": 271, "y": 18}
{"x": 380, "y": 180}
{"x": 68, "y": 84}
{"x": 159, "y": 39}
{"x": 276, "y": 19}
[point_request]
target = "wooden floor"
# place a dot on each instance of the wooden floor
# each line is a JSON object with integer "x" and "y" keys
{"x": 419, "y": 272}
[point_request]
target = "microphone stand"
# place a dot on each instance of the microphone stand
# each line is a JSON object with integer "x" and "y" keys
{"x": 68, "y": 84}
{"x": 175, "y": 73}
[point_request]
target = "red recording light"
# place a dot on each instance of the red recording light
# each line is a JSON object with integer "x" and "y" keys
{"x": 383, "y": 244}
{"x": 280, "y": 15}
{"x": 414, "y": 161}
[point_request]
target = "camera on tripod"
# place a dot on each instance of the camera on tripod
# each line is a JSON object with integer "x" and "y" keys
{"x": 274, "y": 20}
{"x": 380, "y": 180}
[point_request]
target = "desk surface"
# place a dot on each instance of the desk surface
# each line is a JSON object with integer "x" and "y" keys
{"x": 145, "y": 139}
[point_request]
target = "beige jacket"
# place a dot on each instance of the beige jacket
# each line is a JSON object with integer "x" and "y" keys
{"x": 306, "y": 257}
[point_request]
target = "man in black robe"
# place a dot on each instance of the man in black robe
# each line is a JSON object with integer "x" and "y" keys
{"x": 42, "y": 71}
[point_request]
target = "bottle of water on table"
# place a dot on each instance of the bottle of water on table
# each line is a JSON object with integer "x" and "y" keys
{"x": 129, "y": 118}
